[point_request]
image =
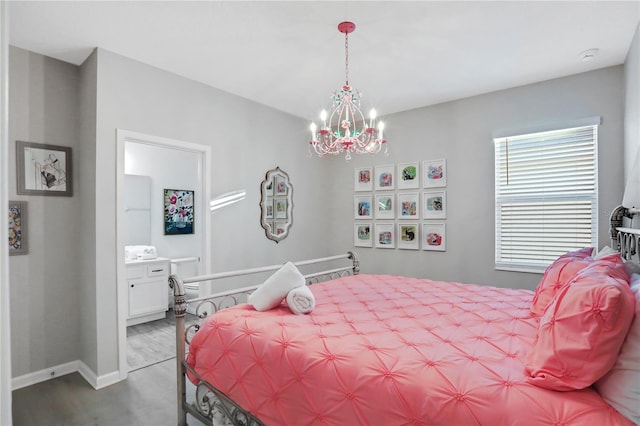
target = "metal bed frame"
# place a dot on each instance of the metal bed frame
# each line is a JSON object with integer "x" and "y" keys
{"x": 212, "y": 406}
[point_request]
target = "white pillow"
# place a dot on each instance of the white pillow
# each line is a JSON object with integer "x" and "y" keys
{"x": 604, "y": 252}
{"x": 620, "y": 387}
{"x": 275, "y": 288}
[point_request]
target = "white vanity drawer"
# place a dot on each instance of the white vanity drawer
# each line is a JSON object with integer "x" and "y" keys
{"x": 157, "y": 270}
{"x": 135, "y": 272}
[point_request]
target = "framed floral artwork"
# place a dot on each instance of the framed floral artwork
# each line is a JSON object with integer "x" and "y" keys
{"x": 408, "y": 236}
{"x": 408, "y": 177}
{"x": 384, "y": 235}
{"x": 362, "y": 207}
{"x": 362, "y": 179}
{"x": 362, "y": 235}
{"x": 18, "y": 242}
{"x": 178, "y": 211}
{"x": 408, "y": 205}
{"x": 434, "y": 173}
{"x": 434, "y": 205}
{"x": 43, "y": 169}
{"x": 384, "y": 206}
{"x": 384, "y": 177}
{"x": 434, "y": 237}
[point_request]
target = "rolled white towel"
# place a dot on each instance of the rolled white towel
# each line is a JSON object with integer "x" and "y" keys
{"x": 301, "y": 300}
{"x": 275, "y": 288}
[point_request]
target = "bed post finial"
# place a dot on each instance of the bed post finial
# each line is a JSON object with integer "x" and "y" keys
{"x": 356, "y": 262}
{"x": 179, "y": 298}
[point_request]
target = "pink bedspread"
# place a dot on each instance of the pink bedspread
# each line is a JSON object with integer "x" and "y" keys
{"x": 388, "y": 350}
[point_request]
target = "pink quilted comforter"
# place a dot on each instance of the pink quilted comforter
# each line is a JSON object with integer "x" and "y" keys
{"x": 388, "y": 350}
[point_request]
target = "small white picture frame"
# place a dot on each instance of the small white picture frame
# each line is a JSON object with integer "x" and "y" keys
{"x": 409, "y": 236}
{"x": 384, "y": 235}
{"x": 363, "y": 179}
{"x": 434, "y": 173}
{"x": 408, "y": 205}
{"x": 362, "y": 207}
{"x": 384, "y": 177}
{"x": 384, "y": 207}
{"x": 434, "y": 205}
{"x": 408, "y": 176}
{"x": 434, "y": 237}
{"x": 363, "y": 234}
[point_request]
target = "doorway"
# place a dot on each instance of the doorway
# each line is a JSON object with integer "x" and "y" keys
{"x": 160, "y": 155}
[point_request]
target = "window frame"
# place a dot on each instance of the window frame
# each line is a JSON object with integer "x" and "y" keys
{"x": 500, "y": 199}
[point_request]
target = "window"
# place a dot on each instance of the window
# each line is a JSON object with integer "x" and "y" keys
{"x": 546, "y": 196}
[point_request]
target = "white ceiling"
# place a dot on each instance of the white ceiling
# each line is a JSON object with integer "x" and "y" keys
{"x": 290, "y": 55}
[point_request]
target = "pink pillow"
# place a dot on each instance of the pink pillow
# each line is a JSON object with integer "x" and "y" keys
{"x": 582, "y": 330}
{"x": 559, "y": 273}
{"x": 620, "y": 387}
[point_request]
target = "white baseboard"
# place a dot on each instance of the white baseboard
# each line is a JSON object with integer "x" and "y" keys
{"x": 98, "y": 382}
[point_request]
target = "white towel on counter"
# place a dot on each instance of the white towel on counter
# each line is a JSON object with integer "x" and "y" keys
{"x": 301, "y": 300}
{"x": 276, "y": 287}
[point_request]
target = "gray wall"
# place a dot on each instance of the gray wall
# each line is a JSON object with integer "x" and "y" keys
{"x": 43, "y": 108}
{"x": 85, "y": 190}
{"x": 461, "y": 131}
{"x": 73, "y": 260}
{"x": 247, "y": 139}
{"x": 632, "y": 103}
{"x": 5, "y": 314}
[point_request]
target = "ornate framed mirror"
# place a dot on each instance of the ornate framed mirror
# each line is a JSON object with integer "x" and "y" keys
{"x": 276, "y": 204}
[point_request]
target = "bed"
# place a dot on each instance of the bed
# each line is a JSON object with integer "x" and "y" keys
{"x": 383, "y": 350}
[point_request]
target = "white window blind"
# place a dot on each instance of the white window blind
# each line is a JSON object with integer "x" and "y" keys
{"x": 546, "y": 196}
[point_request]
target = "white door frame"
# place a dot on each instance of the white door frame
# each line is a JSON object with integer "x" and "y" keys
{"x": 204, "y": 151}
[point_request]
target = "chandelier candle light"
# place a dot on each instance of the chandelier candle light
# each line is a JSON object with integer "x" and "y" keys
{"x": 340, "y": 133}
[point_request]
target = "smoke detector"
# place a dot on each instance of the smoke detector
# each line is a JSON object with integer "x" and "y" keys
{"x": 588, "y": 55}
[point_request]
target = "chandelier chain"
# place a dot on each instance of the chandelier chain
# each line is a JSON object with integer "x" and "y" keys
{"x": 346, "y": 58}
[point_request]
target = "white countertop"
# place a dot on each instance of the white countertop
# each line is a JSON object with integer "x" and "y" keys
{"x": 143, "y": 261}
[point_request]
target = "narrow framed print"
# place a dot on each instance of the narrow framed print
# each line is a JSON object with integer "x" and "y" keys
{"x": 434, "y": 237}
{"x": 384, "y": 235}
{"x": 362, "y": 179}
{"x": 362, "y": 235}
{"x": 43, "y": 169}
{"x": 280, "y": 209}
{"x": 268, "y": 210}
{"x": 362, "y": 207}
{"x": 408, "y": 236}
{"x": 384, "y": 206}
{"x": 408, "y": 177}
{"x": 434, "y": 205}
{"x": 280, "y": 228}
{"x": 434, "y": 173}
{"x": 18, "y": 242}
{"x": 178, "y": 211}
{"x": 408, "y": 205}
{"x": 281, "y": 185}
{"x": 384, "y": 177}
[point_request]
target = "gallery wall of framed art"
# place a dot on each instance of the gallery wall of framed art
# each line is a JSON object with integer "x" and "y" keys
{"x": 401, "y": 205}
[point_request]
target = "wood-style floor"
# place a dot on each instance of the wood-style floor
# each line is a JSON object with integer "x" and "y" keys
{"x": 146, "y": 398}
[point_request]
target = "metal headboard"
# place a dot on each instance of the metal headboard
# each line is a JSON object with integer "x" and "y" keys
{"x": 624, "y": 240}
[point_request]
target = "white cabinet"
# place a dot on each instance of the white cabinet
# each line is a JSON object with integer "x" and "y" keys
{"x": 147, "y": 281}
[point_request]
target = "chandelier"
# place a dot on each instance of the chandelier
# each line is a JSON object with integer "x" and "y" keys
{"x": 345, "y": 129}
